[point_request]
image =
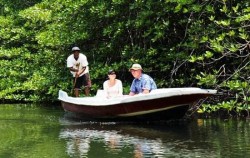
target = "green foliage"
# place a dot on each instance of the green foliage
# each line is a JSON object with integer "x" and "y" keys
{"x": 206, "y": 79}
{"x": 179, "y": 43}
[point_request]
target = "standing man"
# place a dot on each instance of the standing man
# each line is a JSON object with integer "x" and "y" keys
{"x": 142, "y": 83}
{"x": 78, "y": 66}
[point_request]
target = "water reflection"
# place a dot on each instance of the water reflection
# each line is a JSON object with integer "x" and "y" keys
{"x": 200, "y": 138}
{"x": 133, "y": 140}
{"x": 79, "y": 141}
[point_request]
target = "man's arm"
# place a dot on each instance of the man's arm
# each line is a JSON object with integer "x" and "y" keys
{"x": 132, "y": 89}
{"x": 146, "y": 85}
{"x": 78, "y": 72}
{"x": 73, "y": 69}
{"x": 82, "y": 70}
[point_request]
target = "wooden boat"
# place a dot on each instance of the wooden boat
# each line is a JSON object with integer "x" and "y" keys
{"x": 160, "y": 104}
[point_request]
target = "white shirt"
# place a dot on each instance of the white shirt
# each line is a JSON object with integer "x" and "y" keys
{"x": 78, "y": 64}
{"x": 113, "y": 91}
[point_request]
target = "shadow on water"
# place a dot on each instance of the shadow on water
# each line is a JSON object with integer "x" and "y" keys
{"x": 145, "y": 119}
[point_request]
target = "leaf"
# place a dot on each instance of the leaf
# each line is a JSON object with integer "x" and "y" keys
{"x": 208, "y": 54}
{"x": 231, "y": 33}
{"x": 211, "y": 18}
{"x": 192, "y": 59}
{"x": 243, "y": 36}
{"x": 204, "y": 39}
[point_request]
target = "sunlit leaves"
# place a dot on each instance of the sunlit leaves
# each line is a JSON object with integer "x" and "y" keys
{"x": 233, "y": 48}
{"x": 36, "y": 14}
{"x": 208, "y": 108}
{"x": 206, "y": 79}
{"x": 5, "y": 21}
{"x": 210, "y": 8}
{"x": 244, "y": 36}
{"x": 223, "y": 22}
{"x": 201, "y": 58}
{"x": 211, "y": 18}
{"x": 216, "y": 45}
{"x": 208, "y": 54}
{"x": 231, "y": 33}
{"x": 228, "y": 105}
{"x": 236, "y": 85}
{"x": 204, "y": 39}
{"x": 243, "y": 18}
{"x": 178, "y": 8}
{"x": 8, "y": 31}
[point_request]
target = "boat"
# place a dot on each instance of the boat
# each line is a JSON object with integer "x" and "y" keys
{"x": 160, "y": 104}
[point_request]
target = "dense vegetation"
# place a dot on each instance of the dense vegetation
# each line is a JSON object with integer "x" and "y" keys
{"x": 181, "y": 43}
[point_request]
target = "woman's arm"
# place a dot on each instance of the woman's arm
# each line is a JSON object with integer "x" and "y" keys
{"x": 120, "y": 88}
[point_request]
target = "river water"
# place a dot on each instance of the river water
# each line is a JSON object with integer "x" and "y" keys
{"x": 47, "y": 132}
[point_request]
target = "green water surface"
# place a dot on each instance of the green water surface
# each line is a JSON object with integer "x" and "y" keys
{"x": 46, "y": 132}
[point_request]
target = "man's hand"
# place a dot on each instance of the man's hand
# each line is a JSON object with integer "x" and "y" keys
{"x": 131, "y": 94}
{"x": 77, "y": 74}
{"x": 145, "y": 91}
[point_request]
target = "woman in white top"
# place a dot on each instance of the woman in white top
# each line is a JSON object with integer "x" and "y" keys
{"x": 112, "y": 87}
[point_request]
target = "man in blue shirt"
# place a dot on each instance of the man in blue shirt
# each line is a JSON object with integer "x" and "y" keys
{"x": 142, "y": 83}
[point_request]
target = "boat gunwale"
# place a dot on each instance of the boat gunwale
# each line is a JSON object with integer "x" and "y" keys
{"x": 161, "y": 93}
